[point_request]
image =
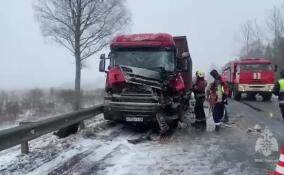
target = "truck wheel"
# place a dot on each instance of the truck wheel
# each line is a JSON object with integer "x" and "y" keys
{"x": 267, "y": 97}
{"x": 106, "y": 117}
{"x": 236, "y": 95}
{"x": 251, "y": 96}
{"x": 110, "y": 116}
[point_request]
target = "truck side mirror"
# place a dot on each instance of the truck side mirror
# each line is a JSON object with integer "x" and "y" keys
{"x": 275, "y": 68}
{"x": 184, "y": 61}
{"x": 103, "y": 56}
{"x": 185, "y": 55}
{"x": 102, "y": 63}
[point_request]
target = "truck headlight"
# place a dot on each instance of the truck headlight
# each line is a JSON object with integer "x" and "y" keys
{"x": 270, "y": 87}
{"x": 241, "y": 88}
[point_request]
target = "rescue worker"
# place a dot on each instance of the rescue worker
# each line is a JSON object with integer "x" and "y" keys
{"x": 199, "y": 87}
{"x": 279, "y": 91}
{"x": 226, "y": 116}
{"x": 225, "y": 119}
{"x": 217, "y": 97}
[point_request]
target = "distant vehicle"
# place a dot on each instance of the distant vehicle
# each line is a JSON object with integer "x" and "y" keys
{"x": 147, "y": 74}
{"x": 250, "y": 76}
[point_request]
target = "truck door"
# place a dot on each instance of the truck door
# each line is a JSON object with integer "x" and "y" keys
{"x": 238, "y": 72}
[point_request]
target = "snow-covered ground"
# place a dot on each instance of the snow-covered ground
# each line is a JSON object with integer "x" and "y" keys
{"x": 103, "y": 149}
{"x": 30, "y": 116}
{"x": 17, "y": 106}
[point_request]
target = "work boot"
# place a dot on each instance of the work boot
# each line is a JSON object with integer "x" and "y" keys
{"x": 164, "y": 127}
{"x": 203, "y": 125}
{"x": 225, "y": 120}
{"x": 182, "y": 125}
{"x": 217, "y": 128}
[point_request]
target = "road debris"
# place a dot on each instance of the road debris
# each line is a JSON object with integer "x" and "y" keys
{"x": 256, "y": 130}
{"x": 229, "y": 124}
{"x": 141, "y": 139}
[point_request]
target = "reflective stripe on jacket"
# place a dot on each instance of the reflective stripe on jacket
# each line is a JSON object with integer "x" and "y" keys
{"x": 220, "y": 92}
{"x": 281, "y": 91}
{"x": 217, "y": 92}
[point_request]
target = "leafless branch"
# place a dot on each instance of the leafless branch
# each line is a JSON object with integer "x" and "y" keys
{"x": 84, "y": 27}
{"x": 96, "y": 20}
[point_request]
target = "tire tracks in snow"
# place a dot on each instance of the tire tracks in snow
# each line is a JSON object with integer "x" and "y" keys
{"x": 87, "y": 156}
{"x": 97, "y": 161}
{"x": 71, "y": 162}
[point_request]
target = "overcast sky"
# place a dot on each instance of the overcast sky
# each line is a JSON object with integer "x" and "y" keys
{"x": 28, "y": 60}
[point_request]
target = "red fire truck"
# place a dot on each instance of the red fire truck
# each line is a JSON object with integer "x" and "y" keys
{"x": 250, "y": 76}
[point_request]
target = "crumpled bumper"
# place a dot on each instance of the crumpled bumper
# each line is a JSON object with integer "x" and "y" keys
{"x": 132, "y": 107}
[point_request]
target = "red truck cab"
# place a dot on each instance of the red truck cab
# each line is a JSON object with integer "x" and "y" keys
{"x": 250, "y": 76}
{"x": 146, "y": 75}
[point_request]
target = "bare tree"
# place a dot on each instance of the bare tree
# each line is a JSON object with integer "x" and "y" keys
{"x": 247, "y": 35}
{"x": 275, "y": 23}
{"x": 66, "y": 96}
{"x": 34, "y": 99}
{"x": 84, "y": 27}
{"x": 12, "y": 110}
{"x": 252, "y": 42}
{"x": 3, "y": 100}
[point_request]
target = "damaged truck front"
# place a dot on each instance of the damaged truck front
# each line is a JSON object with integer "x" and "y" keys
{"x": 146, "y": 76}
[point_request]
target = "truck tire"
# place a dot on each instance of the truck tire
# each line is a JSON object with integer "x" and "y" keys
{"x": 110, "y": 116}
{"x": 267, "y": 96}
{"x": 251, "y": 96}
{"x": 107, "y": 116}
{"x": 236, "y": 95}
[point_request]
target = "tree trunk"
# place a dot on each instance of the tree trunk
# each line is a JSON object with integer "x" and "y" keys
{"x": 77, "y": 95}
{"x": 77, "y": 102}
{"x": 77, "y": 99}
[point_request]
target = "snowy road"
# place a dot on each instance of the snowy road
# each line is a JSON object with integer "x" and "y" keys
{"x": 103, "y": 149}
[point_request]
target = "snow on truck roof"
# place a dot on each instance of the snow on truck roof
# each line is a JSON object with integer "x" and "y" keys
{"x": 143, "y": 40}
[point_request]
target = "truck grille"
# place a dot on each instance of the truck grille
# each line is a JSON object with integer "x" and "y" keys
{"x": 257, "y": 81}
{"x": 257, "y": 86}
{"x": 132, "y": 89}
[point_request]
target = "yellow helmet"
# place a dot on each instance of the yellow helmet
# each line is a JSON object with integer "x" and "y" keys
{"x": 199, "y": 74}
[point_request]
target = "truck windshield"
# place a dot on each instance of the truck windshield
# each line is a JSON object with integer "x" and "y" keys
{"x": 148, "y": 59}
{"x": 256, "y": 67}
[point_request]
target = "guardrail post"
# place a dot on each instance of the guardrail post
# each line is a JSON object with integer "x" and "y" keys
{"x": 82, "y": 125}
{"x": 24, "y": 145}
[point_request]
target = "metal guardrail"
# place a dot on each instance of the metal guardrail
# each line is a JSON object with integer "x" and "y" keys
{"x": 29, "y": 131}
